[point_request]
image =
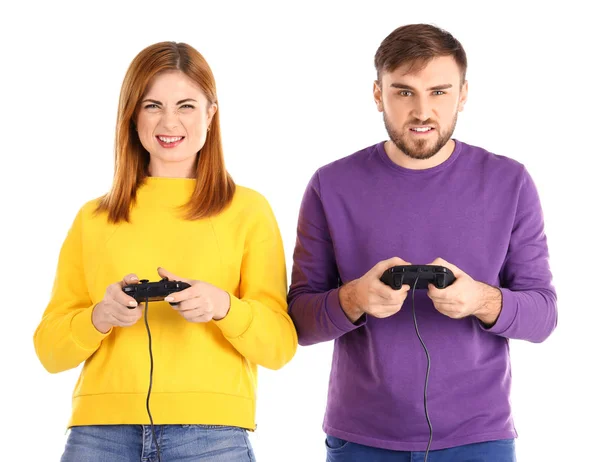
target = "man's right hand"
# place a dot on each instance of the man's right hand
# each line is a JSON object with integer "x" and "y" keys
{"x": 117, "y": 308}
{"x": 368, "y": 294}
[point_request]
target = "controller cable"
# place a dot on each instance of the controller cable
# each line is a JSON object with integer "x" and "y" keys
{"x": 428, "y": 368}
{"x": 150, "y": 384}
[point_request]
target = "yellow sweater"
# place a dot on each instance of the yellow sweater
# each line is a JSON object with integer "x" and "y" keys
{"x": 200, "y": 374}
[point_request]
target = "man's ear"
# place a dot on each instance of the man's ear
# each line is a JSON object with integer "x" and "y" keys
{"x": 464, "y": 92}
{"x": 377, "y": 95}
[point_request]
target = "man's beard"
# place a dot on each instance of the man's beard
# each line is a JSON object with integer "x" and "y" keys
{"x": 418, "y": 149}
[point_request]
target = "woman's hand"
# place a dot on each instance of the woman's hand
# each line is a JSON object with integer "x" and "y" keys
{"x": 117, "y": 308}
{"x": 201, "y": 302}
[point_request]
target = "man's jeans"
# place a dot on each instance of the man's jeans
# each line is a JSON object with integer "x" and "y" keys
{"x": 339, "y": 450}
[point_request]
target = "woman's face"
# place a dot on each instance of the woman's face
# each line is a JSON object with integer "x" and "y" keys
{"x": 172, "y": 123}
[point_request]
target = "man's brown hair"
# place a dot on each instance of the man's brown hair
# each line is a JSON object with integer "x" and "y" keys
{"x": 417, "y": 44}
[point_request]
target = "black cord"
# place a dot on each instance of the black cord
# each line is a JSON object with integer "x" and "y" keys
{"x": 428, "y": 368}
{"x": 150, "y": 385}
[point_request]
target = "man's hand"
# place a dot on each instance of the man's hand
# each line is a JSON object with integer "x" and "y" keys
{"x": 368, "y": 294}
{"x": 466, "y": 297}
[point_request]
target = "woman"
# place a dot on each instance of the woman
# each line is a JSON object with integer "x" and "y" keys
{"x": 173, "y": 212}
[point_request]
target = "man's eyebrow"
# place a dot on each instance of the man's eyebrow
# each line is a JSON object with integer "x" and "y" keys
{"x": 403, "y": 86}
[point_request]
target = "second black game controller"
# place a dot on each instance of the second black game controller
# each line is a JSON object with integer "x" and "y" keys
{"x": 154, "y": 291}
{"x": 440, "y": 276}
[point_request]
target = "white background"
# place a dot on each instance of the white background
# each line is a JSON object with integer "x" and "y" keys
{"x": 294, "y": 84}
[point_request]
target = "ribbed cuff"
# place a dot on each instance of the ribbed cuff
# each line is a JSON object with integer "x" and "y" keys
{"x": 238, "y": 318}
{"x": 336, "y": 313}
{"x": 508, "y": 312}
{"x": 84, "y": 332}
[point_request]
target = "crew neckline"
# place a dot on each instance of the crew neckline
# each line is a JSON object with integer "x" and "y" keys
{"x": 426, "y": 171}
{"x": 166, "y": 189}
{"x": 153, "y": 182}
{"x": 167, "y": 178}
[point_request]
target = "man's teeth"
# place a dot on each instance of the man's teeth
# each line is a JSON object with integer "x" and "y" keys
{"x": 170, "y": 139}
{"x": 421, "y": 129}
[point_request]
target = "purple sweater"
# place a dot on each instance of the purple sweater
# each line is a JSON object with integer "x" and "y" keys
{"x": 477, "y": 210}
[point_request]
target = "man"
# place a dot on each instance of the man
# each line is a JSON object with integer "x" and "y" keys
{"x": 421, "y": 197}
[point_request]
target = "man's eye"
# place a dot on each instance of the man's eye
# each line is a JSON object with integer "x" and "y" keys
{"x": 405, "y": 93}
{"x": 439, "y": 92}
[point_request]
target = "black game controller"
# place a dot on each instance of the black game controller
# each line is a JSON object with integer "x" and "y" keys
{"x": 397, "y": 276}
{"x": 154, "y": 291}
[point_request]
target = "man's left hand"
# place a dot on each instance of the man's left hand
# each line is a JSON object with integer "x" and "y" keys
{"x": 466, "y": 297}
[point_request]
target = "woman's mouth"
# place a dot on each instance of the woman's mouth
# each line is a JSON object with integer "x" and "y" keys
{"x": 169, "y": 141}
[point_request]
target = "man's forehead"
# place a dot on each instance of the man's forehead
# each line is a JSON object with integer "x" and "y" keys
{"x": 439, "y": 68}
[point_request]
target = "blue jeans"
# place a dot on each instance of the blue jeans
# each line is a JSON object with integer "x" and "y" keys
{"x": 177, "y": 443}
{"x": 339, "y": 450}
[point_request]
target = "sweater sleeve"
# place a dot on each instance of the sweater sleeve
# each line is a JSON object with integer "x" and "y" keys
{"x": 314, "y": 294}
{"x": 529, "y": 309}
{"x": 66, "y": 336}
{"x": 257, "y": 323}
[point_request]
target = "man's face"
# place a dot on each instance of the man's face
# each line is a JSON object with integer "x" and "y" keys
{"x": 420, "y": 109}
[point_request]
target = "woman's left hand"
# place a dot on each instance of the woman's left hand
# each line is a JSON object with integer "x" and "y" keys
{"x": 201, "y": 302}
